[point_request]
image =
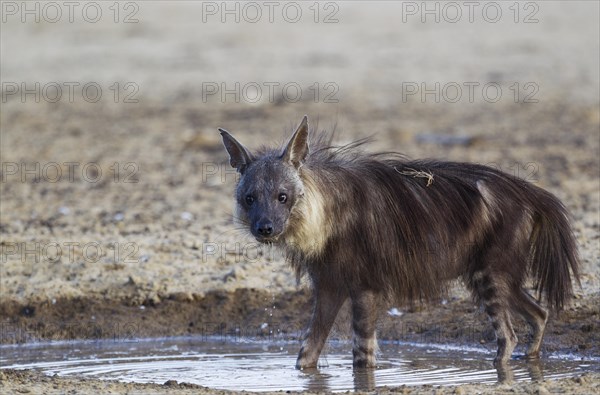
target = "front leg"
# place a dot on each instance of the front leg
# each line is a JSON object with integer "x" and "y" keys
{"x": 327, "y": 304}
{"x": 364, "y": 318}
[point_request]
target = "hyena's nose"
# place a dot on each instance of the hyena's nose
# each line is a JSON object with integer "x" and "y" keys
{"x": 264, "y": 227}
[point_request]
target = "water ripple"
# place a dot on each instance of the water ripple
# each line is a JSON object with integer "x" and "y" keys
{"x": 262, "y": 366}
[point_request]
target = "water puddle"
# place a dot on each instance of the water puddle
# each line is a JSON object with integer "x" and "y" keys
{"x": 264, "y": 366}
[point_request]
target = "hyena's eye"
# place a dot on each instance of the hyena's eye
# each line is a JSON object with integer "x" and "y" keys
{"x": 249, "y": 200}
{"x": 282, "y": 198}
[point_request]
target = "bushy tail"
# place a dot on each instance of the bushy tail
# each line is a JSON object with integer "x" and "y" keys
{"x": 554, "y": 257}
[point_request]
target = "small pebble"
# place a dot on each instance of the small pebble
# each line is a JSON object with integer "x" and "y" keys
{"x": 186, "y": 216}
{"x": 394, "y": 312}
{"x": 541, "y": 390}
{"x": 64, "y": 210}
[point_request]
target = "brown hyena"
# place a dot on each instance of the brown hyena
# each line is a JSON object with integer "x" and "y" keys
{"x": 377, "y": 228}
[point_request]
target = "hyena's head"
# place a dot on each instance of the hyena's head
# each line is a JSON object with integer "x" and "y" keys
{"x": 270, "y": 184}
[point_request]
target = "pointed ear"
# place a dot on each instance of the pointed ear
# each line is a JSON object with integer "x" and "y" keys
{"x": 238, "y": 155}
{"x": 297, "y": 148}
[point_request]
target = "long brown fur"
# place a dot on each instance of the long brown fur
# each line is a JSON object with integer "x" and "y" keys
{"x": 376, "y": 227}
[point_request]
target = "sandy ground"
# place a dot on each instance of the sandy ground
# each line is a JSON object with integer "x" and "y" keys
{"x": 13, "y": 381}
{"x": 113, "y": 205}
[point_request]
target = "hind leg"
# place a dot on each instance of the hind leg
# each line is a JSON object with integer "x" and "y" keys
{"x": 491, "y": 291}
{"x": 507, "y": 340}
{"x": 364, "y": 319}
{"x": 535, "y": 316}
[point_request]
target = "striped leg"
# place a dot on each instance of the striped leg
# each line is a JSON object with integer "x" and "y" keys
{"x": 491, "y": 290}
{"x": 507, "y": 340}
{"x": 326, "y": 307}
{"x": 535, "y": 316}
{"x": 364, "y": 318}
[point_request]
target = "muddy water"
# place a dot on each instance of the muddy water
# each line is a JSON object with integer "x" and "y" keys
{"x": 263, "y": 366}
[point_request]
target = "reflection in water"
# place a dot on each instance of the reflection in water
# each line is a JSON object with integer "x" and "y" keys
{"x": 364, "y": 379}
{"x": 317, "y": 381}
{"x": 534, "y": 370}
{"x": 536, "y": 373}
{"x": 505, "y": 373}
{"x": 270, "y": 366}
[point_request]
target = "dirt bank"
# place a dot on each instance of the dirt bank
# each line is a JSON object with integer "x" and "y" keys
{"x": 243, "y": 313}
{"x": 24, "y": 382}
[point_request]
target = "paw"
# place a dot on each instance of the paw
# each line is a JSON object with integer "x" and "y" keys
{"x": 305, "y": 363}
{"x": 364, "y": 362}
{"x": 532, "y": 355}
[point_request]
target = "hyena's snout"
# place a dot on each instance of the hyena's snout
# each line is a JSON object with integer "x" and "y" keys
{"x": 265, "y": 230}
{"x": 264, "y": 227}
